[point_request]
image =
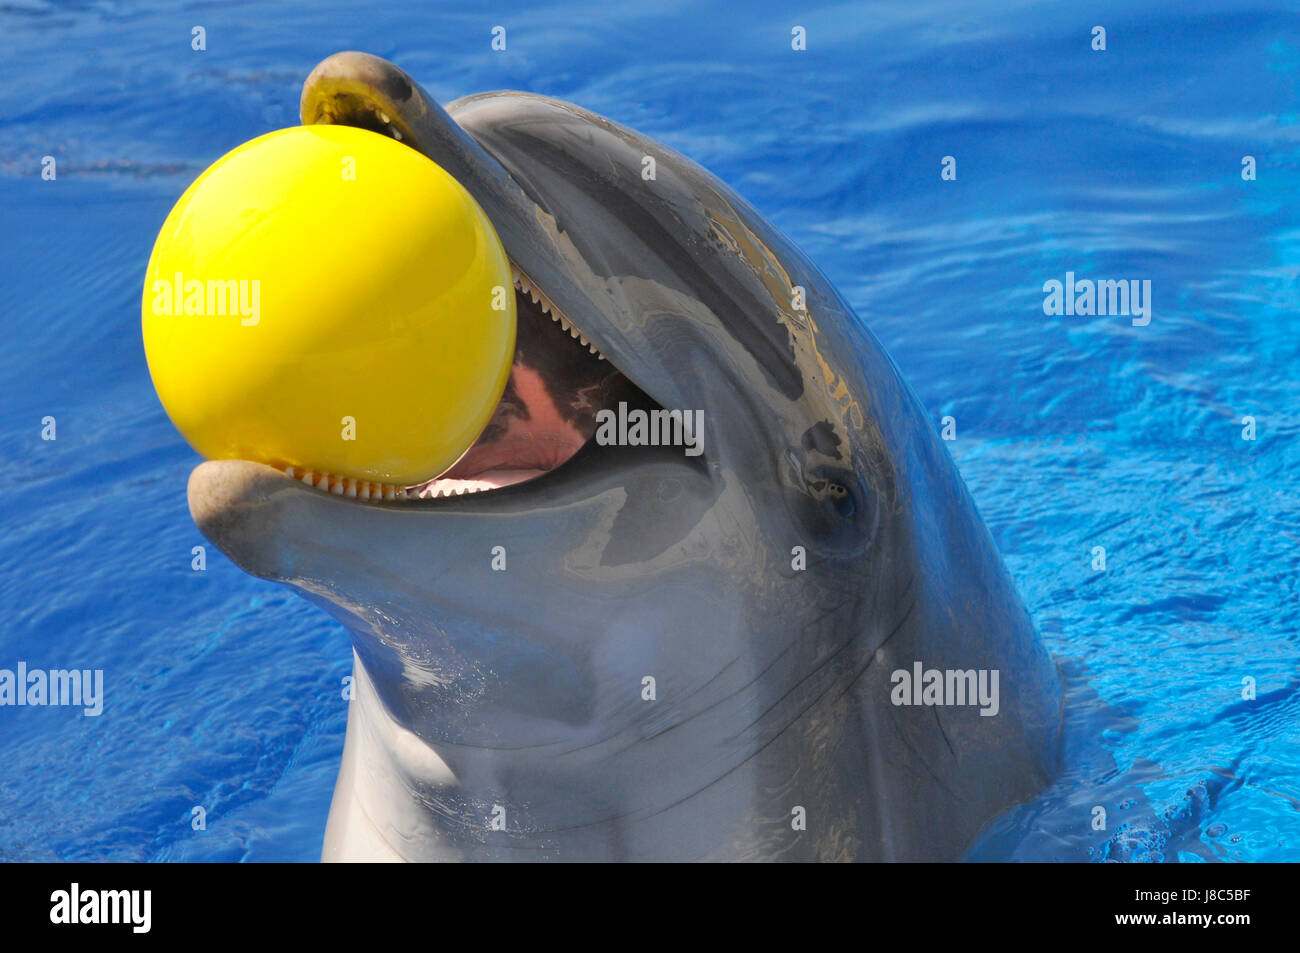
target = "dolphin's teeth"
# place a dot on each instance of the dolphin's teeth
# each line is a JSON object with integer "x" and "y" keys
{"x": 523, "y": 285}
{"x": 396, "y": 135}
{"x": 447, "y": 488}
{"x": 383, "y": 117}
{"x": 288, "y": 471}
{"x": 352, "y": 489}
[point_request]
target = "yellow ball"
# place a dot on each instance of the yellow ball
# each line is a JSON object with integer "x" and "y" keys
{"x": 325, "y": 297}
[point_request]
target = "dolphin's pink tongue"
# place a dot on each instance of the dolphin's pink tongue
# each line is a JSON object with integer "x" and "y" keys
{"x": 546, "y": 414}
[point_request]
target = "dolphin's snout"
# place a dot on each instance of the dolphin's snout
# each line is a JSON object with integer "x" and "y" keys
{"x": 231, "y": 502}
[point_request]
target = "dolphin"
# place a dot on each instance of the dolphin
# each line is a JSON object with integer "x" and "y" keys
{"x": 575, "y": 648}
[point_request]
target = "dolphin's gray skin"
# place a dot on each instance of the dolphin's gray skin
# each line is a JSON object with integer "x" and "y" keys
{"x": 518, "y": 695}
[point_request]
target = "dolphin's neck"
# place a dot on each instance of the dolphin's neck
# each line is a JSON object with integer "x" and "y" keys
{"x": 398, "y": 799}
{"x": 376, "y": 814}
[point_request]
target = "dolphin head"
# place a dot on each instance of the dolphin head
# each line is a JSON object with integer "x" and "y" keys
{"x": 657, "y": 649}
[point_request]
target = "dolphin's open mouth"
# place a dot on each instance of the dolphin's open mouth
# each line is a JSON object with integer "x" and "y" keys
{"x": 558, "y": 383}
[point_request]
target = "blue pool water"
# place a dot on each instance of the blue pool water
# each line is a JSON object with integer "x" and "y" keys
{"x": 1072, "y": 432}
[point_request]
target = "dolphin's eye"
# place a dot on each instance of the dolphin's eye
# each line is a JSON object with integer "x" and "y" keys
{"x": 841, "y": 499}
{"x": 839, "y": 492}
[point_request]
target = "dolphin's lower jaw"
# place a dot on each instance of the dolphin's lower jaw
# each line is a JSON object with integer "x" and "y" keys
{"x": 637, "y": 654}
